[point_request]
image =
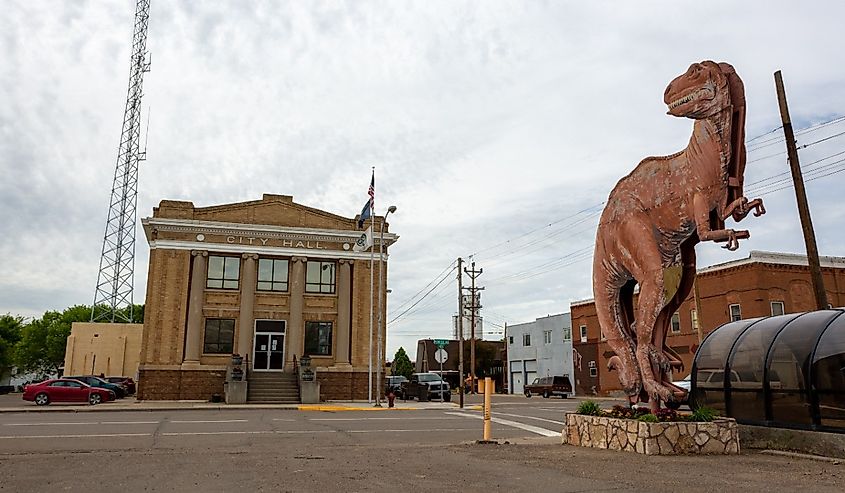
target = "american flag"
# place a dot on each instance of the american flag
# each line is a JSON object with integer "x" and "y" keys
{"x": 372, "y": 191}
{"x": 367, "y": 211}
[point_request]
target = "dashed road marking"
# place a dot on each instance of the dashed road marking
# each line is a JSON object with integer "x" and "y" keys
{"x": 100, "y": 435}
{"x": 532, "y": 417}
{"x": 211, "y": 421}
{"x": 515, "y": 424}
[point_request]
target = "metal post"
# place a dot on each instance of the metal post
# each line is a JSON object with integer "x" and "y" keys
{"x": 372, "y": 279}
{"x": 381, "y": 294}
{"x": 801, "y": 197}
{"x": 488, "y": 394}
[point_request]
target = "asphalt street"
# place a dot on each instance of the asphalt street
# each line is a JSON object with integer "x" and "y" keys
{"x": 358, "y": 450}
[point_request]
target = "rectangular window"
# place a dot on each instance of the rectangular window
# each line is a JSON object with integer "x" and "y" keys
{"x": 777, "y": 308}
{"x": 319, "y": 277}
{"x": 594, "y": 372}
{"x": 526, "y": 339}
{"x": 318, "y": 338}
{"x": 547, "y": 337}
{"x": 219, "y": 335}
{"x": 510, "y": 339}
{"x": 693, "y": 315}
{"x": 272, "y": 274}
{"x": 583, "y": 333}
{"x": 223, "y": 272}
{"x": 736, "y": 313}
{"x": 676, "y": 322}
{"x": 567, "y": 334}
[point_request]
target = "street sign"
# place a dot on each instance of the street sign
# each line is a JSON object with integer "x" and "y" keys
{"x": 441, "y": 343}
{"x": 441, "y": 356}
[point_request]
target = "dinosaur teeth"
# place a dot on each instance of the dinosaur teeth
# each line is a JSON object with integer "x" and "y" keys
{"x": 685, "y": 99}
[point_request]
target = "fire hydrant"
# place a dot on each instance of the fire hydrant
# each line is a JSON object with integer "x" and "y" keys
{"x": 391, "y": 396}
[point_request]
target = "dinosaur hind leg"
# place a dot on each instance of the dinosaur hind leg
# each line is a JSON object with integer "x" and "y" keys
{"x": 616, "y": 329}
{"x": 650, "y": 304}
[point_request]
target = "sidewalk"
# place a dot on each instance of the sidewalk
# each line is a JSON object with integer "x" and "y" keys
{"x": 12, "y": 403}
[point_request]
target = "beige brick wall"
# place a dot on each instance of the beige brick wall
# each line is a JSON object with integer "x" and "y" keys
{"x": 110, "y": 349}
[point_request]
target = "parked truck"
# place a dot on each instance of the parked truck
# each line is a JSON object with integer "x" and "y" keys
{"x": 426, "y": 386}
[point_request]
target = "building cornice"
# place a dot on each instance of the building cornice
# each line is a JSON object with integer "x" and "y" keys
{"x": 262, "y": 250}
{"x": 155, "y": 225}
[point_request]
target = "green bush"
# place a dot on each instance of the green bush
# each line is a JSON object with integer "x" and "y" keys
{"x": 649, "y": 418}
{"x": 589, "y": 408}
{"x": 704, "y": 414}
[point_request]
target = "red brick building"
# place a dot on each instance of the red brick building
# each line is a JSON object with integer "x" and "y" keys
{"x": 761, "y": 285}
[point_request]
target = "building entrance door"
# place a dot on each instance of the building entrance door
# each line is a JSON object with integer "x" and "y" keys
{"x": 268, "y": 353}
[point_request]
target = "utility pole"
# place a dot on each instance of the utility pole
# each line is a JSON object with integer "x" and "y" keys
{"x": 507, "y": 365}
{"x": 460, "y": 335}
{"x": 801, "y": 197}
{"x": 473, "y": 312}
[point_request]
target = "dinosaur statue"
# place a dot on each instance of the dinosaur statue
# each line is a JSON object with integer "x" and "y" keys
{"x": 653, "y": 220}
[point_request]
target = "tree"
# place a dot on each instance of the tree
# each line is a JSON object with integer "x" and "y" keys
{"x": 41, "y": 349}
{"x": 10, "y": 334}
{"x": 402, "y": 364}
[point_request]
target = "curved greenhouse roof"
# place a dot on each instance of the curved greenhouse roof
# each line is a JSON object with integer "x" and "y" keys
{"x": 786, "y": 371}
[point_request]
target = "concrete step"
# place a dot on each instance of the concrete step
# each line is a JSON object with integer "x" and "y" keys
{"x": 274, "y": 393}
{"x": 257, "y": 385}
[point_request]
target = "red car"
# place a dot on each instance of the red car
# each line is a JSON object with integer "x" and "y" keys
{"x": 65, "y": 390}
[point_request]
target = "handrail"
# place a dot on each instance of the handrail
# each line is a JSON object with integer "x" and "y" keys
{"x": 296, "y": 374}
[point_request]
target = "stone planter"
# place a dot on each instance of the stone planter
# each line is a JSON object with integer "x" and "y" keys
{"x": 720, "y": 436}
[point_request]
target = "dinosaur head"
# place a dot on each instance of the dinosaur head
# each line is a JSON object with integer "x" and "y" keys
{"x": 702, "y": 91}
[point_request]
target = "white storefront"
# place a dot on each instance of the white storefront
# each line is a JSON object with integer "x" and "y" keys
{"x": 542, "y": 348}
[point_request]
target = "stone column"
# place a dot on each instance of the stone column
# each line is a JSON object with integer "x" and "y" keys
{"x": 295, "y": 330}
{"x": 246, "y": 318}
{"x": 344, "y": 314}
{"x": 196, "y": 298}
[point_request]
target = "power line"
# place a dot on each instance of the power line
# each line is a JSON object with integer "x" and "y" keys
{"x": 424, "y": 296}
{"x": 400, "y": 305}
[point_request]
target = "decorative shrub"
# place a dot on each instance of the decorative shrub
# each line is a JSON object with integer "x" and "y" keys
{"x": 703, "y": 414}
{"x": 591, "y": 408}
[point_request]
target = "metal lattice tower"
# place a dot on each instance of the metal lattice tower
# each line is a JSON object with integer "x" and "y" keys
{"x": 117, "y": 263}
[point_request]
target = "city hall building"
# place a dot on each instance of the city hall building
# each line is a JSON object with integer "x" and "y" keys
{"x": 269, "y": 280}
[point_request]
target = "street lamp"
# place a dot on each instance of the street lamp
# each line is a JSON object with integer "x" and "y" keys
{"x": 381, "y": 280}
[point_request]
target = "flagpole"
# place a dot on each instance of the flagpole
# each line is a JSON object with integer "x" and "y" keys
{"x": 372, "y": 280}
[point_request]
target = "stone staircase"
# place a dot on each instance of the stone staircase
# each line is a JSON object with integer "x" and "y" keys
{"x": 272, "y": 387}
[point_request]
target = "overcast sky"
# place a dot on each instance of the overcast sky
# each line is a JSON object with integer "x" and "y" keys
{"x": 496, "y": 128}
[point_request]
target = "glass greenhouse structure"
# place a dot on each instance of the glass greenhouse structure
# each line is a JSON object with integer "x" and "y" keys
{"x": 785, "y": 371}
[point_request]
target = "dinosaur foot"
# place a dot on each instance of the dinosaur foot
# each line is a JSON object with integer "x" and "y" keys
{"x": 658, "y": 391}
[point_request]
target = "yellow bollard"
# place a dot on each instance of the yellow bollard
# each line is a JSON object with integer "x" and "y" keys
{"x": 488, "y": 393}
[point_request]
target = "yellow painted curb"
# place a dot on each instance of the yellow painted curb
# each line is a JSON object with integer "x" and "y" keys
{"x": 320, "y": 407}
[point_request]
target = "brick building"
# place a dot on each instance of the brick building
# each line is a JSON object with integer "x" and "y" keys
{"x": 269, "y": 280}
{"x": 758, "y": 286}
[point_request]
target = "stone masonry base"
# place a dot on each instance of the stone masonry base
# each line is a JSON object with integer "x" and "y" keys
{"x": 180, "y": 384}
{"x": 344, "y": 386}
{"x": 716, "y": 437}
{"x": 202, "y": 384}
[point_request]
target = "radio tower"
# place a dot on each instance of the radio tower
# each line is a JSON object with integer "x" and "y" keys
{"x": 117, "y": 263}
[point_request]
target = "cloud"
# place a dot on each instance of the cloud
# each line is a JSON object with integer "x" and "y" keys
{"x": 485, "y": 122}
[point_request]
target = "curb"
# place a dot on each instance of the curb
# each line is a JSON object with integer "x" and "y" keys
{"x": 224, "y": 407}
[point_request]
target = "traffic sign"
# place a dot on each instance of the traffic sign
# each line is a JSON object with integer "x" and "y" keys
{"x": 441, "y": 356}
{"x": 441, "y": 343}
